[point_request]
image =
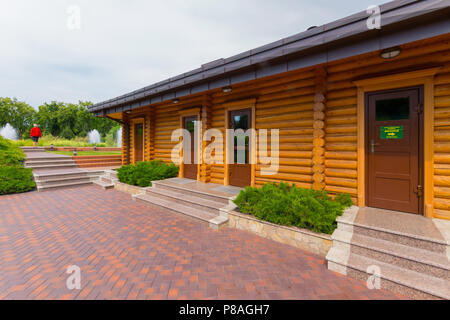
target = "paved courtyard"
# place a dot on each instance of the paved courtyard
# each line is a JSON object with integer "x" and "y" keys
{"x": 128, "y": 250}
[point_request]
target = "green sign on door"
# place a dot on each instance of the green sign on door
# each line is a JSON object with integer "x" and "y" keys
{"x": 391, "y": 132}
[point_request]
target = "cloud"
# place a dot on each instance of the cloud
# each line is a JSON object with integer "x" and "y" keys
{"x": 126, "y": 45}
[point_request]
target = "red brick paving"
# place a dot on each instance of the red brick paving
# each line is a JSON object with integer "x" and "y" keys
{"x": 129, "y": 250}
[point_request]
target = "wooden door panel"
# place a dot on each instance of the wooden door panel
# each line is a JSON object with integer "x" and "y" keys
{"x": 239, "y": 174}
{"x": 393, "y": 150}
{"x": 139, "y": 142}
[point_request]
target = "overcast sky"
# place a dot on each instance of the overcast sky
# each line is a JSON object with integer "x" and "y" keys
{"x": 125, "y": 45}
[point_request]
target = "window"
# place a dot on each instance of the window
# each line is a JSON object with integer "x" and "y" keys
{"x": 392, "y": 109}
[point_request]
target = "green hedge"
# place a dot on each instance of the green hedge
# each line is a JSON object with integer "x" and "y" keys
{"x": 10, "y": 154}
{"x": 143, "y": 173}
{"x": 14, "y": 178}
{"x": 292, "y": 206}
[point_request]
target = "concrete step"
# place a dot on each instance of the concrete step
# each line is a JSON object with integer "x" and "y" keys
{"x": 62, "y": 185}
{"x": 412, "y": 240}
{"x": 162, "y": 185}
{"x": 193, "y": 201}
{"x": 38, "y": 158}
{"x": 104, "y": 185}
{"x": 403, "y": 281}
{"x": 65, "y": 180}
{"x": 415, "y": 259}
{"x": 213, "y": 220}
{"x": 52, "y": 166}
{"x": 32, "y": 149}
{"x": 48, "y": 162}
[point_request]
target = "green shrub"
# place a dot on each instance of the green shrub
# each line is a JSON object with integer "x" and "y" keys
{"x": 10, "y": 154}
{"x": 60, "y": 142}
{"x": 292, "y": 206}
{"x": 143, "y": 173}
{"x": 16, "y": 180}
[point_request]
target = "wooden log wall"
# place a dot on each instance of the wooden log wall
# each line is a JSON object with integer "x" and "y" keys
{"x": 442, "y": 141}
{"x": 167, "y": 120}
{"x": 206, "y": 115}
{"x": 316, "y": 112}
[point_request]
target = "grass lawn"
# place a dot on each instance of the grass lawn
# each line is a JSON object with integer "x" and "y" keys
{"x": 87, "y": 153}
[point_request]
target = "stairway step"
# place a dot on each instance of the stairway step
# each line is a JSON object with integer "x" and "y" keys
{"x": 51, "y": 182}
{"x": 50, "y": 158}
{"x": 416, "y": 241}
{"x": 419, "y": 260}
{"x": 49, "y": 162}
{"x": 103, "y": 184}
{"x": 193, "y": 201}
{"x": 57, "y": 166}
{"x": 181, "y": 189}
{"x": 178, "y": 208}
{"x": 400, "y": 280}
{"x": 62, "y": 185}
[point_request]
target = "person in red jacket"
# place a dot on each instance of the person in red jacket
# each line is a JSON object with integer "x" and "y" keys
{"x": 35, "y": 134}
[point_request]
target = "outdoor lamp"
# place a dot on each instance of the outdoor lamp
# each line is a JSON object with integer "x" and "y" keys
{"x": 176, "y": 101}
{"x": 390, "y": 53}
{"x": 226, "y": 89}
{"x": 74, "y": 152}
{"x": 95, "y": 147}
{"x": 51, "y": 147}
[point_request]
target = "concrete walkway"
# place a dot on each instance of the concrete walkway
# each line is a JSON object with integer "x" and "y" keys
{"x": 128, "y": 250}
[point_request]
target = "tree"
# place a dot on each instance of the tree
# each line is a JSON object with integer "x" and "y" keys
{"x": 18, "y": 114}
{"x": 54, "y": 118}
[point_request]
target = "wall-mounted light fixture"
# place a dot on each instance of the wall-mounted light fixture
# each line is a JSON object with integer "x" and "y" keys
{"x": 390, "y": 53}
{"x": 227, "y": 89}
{"x": 176, "y": 101}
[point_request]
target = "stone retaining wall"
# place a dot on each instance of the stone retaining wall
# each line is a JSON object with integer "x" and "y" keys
{"x": 317, "y": 243}
{"x": 128, "y": 188}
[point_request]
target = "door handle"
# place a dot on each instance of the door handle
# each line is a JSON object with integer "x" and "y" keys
{"x": 419, "y": 191}
{"x": 372, "y": 145}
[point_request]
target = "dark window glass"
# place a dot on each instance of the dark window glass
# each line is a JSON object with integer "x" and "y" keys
{"x": 139, "y": 131}
{"x": 190, "y": 126}
{"x": 241, "y": 122}
{"x": 392, "y": 109}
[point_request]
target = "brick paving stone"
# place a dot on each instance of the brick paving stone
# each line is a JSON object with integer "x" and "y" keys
{"x": 129, "y": 250}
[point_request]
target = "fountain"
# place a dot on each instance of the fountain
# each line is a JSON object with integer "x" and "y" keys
{"x": 94, "y": 137}
{"x": 8, "y": 132}
{"x": 119, "y": 138}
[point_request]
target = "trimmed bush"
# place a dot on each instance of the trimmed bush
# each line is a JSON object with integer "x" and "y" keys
{"x": 13, "y": 177}
{"x": 143, "y": 173}
{"x": 10, "y": 154}
{"x": 16, "y": 180}
{"x": 292, "y": 206}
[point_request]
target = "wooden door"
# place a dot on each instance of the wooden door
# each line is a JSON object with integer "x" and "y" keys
{"x": 240, "y": 171}
{"x": 190, "y": 167}
{"x": 138, "y": 142}
{"x": 394, "y": 151}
